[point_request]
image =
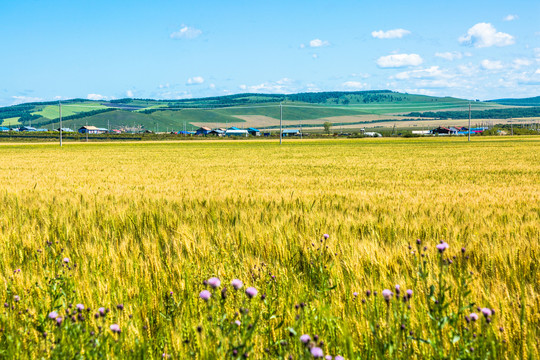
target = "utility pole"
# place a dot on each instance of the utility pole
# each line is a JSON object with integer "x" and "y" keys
{"x": 280, "y": 123}
{"x": 60, "y": 114}
{"x": 469, "y": 137}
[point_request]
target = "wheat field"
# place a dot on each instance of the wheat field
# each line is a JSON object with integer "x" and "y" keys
{"x": 135, "y": 229}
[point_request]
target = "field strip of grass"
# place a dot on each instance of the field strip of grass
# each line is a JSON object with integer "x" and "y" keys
{"x": 52, "y": 111}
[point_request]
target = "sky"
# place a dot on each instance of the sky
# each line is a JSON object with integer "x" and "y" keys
{"x": 53, "y": 50}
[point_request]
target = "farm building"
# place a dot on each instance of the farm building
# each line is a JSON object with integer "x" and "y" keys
{"x": 372, "y": 134}
{"x": 441, "y": 131}
{"x": 65, "y": 130}
{"x": 291, "y": 132}
{"x": 254, "y": 132}
{"x": 27, "y": 128}
{"x": 89, "y": 129}
{"x": 3, "y": 129}
{"x": 234, "y": 131}
{"x": 203, "y": 131}
{"x": 217, "y": 132}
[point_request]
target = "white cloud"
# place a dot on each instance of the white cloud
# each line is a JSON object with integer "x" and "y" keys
{"x": 282, "y": 86}
{"x": 318, "y": 43}
{"x": 537, "y": 72}
{"x": 491, "y": 65}
{"x": 518, "y": 63}
{"x": 315, "y": 56}
{"x": 212, "y": 86}
{"x": 537, "y": 54}
{"x": 25, "y": 99}
{"x": 450, "y": 55}
{"x": 302, "y": 46}
{"x": 354, "y": 85}
{"x": 95, "y": 97}
{"x": 390, "y": 34}
{"x": 417, "y": 91}
{"x": 510, "y": 17}
{"x": 484, "y": 35}
{"x": 399, "y": 60}
{"x": 186, "y": 32}
{"x": 164, "y": 86}
{"x": 129, "y": 93}
{"x": 428, "y": 73}
{"x": 196, "y": 80}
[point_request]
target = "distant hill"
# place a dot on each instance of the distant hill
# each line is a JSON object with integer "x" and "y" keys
{"x": 260, "y": 109}
{"x": 532, "y": 101}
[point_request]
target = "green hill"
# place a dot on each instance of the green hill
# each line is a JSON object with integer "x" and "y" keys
{"x": 532, "y": 101}
{"x": 226, "y": 110}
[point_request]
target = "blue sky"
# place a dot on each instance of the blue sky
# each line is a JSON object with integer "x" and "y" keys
{"x": 180, "y": 49}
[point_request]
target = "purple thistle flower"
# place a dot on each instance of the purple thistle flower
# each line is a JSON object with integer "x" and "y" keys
{"x": 251, "y": 292}
{"x": 305, "y": 339}
{"x": 66, "y": 260}
{"x": 16, "y": 298}
{"x": 442, "y": 246}
{"x": 339, "y": 357}
{"x": 317, "y": 352}
{"x": 397, "y": 289}
{"x": 355, "y": 294}
{"x": 120, "y": 306}
{"x": 101, "y": 311}
{"x": 205, "y": 295}
{"x": 326, "y": 236}
{"x": 80, "y": 307}
{"x": 238, "y": 323}
{"x": 328, "y": 357}
{"x": 115, "y": 328}
{"x": 214, "y": 282}
{"x": 473, "y": 316}
{"x": 486, "y": 311}
{"x": 387, "y": 294}
{"x": 409, "y": 293}
{"x": 53, "y": 315}
{"x": 59, "y": 320}
{"x": 237, "y": 284}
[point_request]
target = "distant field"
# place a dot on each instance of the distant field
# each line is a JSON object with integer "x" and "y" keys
{"x": 10, "y": 121}
{"x": 135, "y": 229}
{"x": 52, "y": 111}
{"x": 397, "y": 108}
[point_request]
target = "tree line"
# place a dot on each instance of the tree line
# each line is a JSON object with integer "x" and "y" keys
{"x": 479, "y": 114}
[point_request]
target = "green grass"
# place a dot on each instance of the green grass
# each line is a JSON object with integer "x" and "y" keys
{"x": 52, "y": 111}
{"x": 10, "y": 122}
